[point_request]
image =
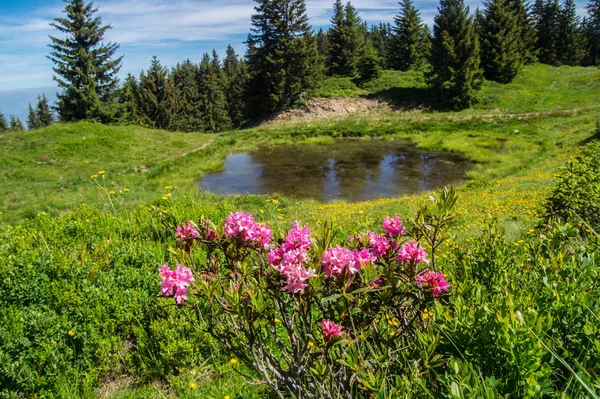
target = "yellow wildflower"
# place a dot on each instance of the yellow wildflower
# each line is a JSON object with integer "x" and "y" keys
{"x": 233, "y": 361}
{"x": 227, "y": 397}
{"x": 168, "y": 187}
{"x": 111, "y": 192}
{"x": 101, "y": 172}
{"x": 193, "y": 385}
{"x": 310, "y": 344}
{"x": 277, "y": 320}
{"x": 71, "y": 333}
{"x": 53, "y": 342}
{"x": 126, "y": 190}
{"x": 94, "y": 176}
{"x": 275, "y": 202}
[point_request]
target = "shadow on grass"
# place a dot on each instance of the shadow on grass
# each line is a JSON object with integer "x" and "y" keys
{"x": 408, "y": 98}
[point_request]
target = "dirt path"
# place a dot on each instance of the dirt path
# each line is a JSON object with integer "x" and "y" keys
{"x": 203, "y": 146}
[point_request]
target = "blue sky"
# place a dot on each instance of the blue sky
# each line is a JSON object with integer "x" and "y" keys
{"x": 171, "y": 29}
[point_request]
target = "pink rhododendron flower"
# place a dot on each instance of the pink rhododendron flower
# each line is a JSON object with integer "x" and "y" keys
{"x": 186, "y": 233}
{"x": 379, "y": 244}
{"x": 242, "y": 224}
{"x": 275, "y": 257}
{"x": 393, "y": 226}
{"x": 330, "y": 329}
{"x": 411, "y": 252}
{"x": 336, "y": 259}
{"x": 297, "y": 238}
{"x": 265, "y": 236}
{"x": 175, "y": 282}
{"x": 296, "y": 279}
{"x": 435, "y": 281}
{"x": 290, "y": 257}
{"x": 361, "y": 257}
{"x": 210, "y": 234}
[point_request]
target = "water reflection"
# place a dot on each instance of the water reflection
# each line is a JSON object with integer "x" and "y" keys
{"x": 349, "y": 169}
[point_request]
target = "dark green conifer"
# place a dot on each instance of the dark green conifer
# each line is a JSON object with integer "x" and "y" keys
{"x": 32, "y": 119}
{"x": 15, "y": 124}
{"x": 83, "y": 65}
{"x": 501, "y": 42}
{"x": 456, "y": 74}
{"x": 188, "y": 117}
{"x": 129, "y": 98}
{"x": 212, "y": 102}
{"x": 570, "y": 46}
{"x": 44, "y": 113}
{"x": 357, "y": 43}
{"x": 338, "y": 41}
{"x": 347, "y": 40}
{"x": 157, "y": 96}
{"x": 235, "y": 77}
{"x": 3, "y": 123}
{"x": 546, "y": 16}
{"x": 410, "y": 44}
{"x": 322, "y": 39}
{"x": 369, "y": 66}
{"x": 592, "y": 32}
{"x": 528, "y": 34}
{"x": 380, "y": 38}
{"x": 283, "y": 59}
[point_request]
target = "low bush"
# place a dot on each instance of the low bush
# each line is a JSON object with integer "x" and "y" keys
{"x": 576, "y": 197}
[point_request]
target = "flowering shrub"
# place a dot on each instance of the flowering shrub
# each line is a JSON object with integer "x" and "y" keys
{"x": 311, "y": 318}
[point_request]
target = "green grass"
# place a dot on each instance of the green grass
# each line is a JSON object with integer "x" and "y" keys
{"x": 538, "y": 88}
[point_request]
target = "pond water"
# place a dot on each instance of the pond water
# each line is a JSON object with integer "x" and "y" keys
{"x": 349, "y": 169}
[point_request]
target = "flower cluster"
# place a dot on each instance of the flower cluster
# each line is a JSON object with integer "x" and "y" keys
{"x": 393, "y": 226}
{"x": 412, "y": 253}
{"x": 289, "y": 258}
{"x": 378, "y": 244}
{"x": 330, "y": 329}
{"x": 186, "y": 234}
{"x": 242, "y": 225}
{"x": 336, "y": 260}
{"x": 435, "y": 281}
{"x": 175, "y": 282}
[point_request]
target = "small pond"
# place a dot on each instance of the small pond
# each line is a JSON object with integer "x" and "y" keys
{"x": 349, "y": 169}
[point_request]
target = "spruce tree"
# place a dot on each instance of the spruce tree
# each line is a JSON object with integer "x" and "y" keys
{"x": 83, "y": 65}
{"x": 3, "y": 123}
{"x": 283, "y": 59}
{"x": 357, "y": 44}
{"x": 45, "y": 116}
{"x": 212, "y": 102}
{"x": 15, "y": 124}
{"x": 323, "y": 45}
{"x": 235, "y": 77}
{"x": 380, "y": 38}
{"x": 338, "y": 41}
{"x": 546, "y": 15}
{"x": 32, "y": 119}
{"x": 410, "y": 45}
{"x": 570, "y": 46}
{"x": 186, "y": 86}
{"x": 592, "y": 32}
{"x": 129, "y": 98}
{"x": 157, "y": 96}
{"x": 501, "y": 42}
{"x": 528, "y": 34}
{"x": 455, "y": 74}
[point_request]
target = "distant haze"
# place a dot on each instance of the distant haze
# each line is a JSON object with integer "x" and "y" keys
{"x": 15, "y": 102}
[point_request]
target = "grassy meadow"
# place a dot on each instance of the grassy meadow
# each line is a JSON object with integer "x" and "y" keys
{"x": 87, "y": 214}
